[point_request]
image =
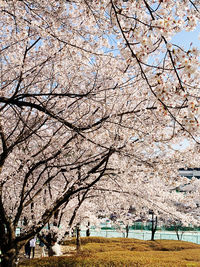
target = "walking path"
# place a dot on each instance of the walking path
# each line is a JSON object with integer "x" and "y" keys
{"x": 66, "y": 250}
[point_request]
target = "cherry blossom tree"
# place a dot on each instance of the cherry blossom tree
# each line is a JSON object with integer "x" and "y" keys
{"x": 84, "y": 83}
{"x": 134, "y": 200}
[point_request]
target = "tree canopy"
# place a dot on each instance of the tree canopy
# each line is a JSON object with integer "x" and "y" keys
{"x": 90, "y": 89}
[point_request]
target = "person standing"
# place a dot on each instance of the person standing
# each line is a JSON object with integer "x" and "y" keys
{"x": 42, "y": 246}
{"x": 27, "y": 249}
{"x": 32, "y": 247}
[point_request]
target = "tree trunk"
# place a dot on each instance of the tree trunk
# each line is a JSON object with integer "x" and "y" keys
{"x": 127, "y": 230}
{"x": 78, "y": 240}
{"x": 9, "y": 247}
{"x": 9, "y": 258}
{"x": 88, "y": 232}
{"x": 154, "y": 227}
{"x": 88, "y": 229}
{"x": 177, "y": 233}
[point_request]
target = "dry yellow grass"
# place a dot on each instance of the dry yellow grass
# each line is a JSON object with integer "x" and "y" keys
{"x": 126, "y": 252}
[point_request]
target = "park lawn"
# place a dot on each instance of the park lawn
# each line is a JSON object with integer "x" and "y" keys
{"x": 125, "y": 252}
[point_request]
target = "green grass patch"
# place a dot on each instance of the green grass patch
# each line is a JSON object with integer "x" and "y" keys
{"x": 125, "y": 252}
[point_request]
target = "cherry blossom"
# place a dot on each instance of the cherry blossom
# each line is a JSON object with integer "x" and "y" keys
{"x": 94, "y": 96}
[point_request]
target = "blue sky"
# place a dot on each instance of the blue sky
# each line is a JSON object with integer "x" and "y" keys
{"x": 185, "y": 38}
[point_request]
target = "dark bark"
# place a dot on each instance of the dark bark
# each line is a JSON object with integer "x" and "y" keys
{"x": 9, "y": 256}
{"x": 78, "y": 239}
{"x": 127, "y": 230}
{"x": 88, "y": 232}
{"x": 178, "y": 233}
{"x": 88, "y": 229}
{"x": 154, "y": 227}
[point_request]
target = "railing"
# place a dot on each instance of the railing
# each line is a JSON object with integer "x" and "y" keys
{"x": 146, "y": 235}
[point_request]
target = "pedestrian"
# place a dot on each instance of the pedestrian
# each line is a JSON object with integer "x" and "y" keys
{"x": 55, "y": 249}
{"x": 42, "y": 246}
{"x": 27, "y": 249}
{"x": 32, "y": 247}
